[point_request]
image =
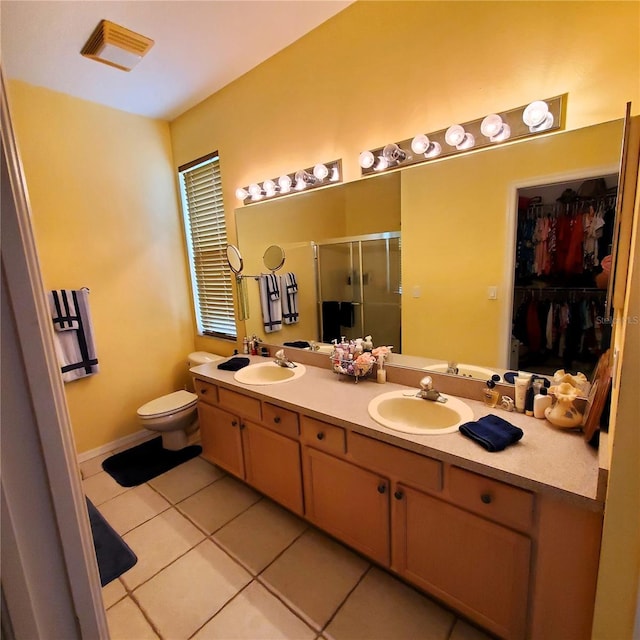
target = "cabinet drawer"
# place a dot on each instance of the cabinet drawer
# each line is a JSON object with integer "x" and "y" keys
{"x": 411, "y": 468}
{"x": 323, "y": 436}
{"x": 490, "y": 498}
{"x": 206, "y": 391}
{"x": 280, "y": 420}
{"x": 239, "y": 403}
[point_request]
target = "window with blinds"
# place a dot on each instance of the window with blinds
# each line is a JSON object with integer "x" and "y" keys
{"x": 206, "y": 236}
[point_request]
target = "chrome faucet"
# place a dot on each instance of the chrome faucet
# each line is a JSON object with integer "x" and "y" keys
{"x": 427, "y": 392}
{"x": 282, "y": 361}
{"x": 452, "y": 367}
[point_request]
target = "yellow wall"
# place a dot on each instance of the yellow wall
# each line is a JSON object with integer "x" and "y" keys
{"x": 104, "y": 206}
{"x": 457, "y": 241}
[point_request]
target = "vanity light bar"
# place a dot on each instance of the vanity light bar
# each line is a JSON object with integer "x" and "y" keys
{"x": 319, "y": 175}
{"x": 529, "y": 120}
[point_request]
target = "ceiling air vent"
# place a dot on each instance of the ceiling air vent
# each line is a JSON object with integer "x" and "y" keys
{"x": 116, "y": 46}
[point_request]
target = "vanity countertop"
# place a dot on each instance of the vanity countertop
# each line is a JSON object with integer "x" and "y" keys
{"x": 546, "y": 459}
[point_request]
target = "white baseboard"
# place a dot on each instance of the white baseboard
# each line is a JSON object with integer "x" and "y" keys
{"x": 120, "y": 443}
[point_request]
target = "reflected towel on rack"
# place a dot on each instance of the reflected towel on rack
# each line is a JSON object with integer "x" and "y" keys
{"x": 63, "y": 310}
{"x": 289, "y": 288}
{"x": 330, "y": 320}
{"x": 243, "y": 299}
{"x": 271, "y": 308}
{"x": 75, "y": 348}
{"x": 346, "y": 314}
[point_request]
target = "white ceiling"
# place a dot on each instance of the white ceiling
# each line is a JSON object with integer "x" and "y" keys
{"x": 200, "y": 46}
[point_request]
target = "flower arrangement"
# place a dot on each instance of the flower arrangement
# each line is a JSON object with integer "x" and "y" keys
{"x": 356, "y": 358}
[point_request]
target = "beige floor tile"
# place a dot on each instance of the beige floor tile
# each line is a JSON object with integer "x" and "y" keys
{"x": 259, "y": 534}
{"x": 255, "y": 614}
{"x": 185, "y": 479}
{"x": 383, "y": 608}
{"x": 215, "y": 505}
{"x": 113, "y": 592}
{"x": 102, "y": 487}
{"x": 157, "y": 543}
{"x": 126, "y": 622}
{"x": 137, "y": 505}
{"x": 314, "y": 575}
{"x": 93, "y": 466}
{"x": 464, "y": 631}
{"x": 187, "y": 593}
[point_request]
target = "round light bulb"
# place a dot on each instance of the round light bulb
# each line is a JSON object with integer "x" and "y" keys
{"x": 420, "y": 144}
{"x": 255, "y": 190}
{"x": 367, "y": 159}
{"x": 242, "y": 194}
{"x": 269, "y": 187}
{"x": 320, "y": 171}
{"x": 382, "y": 164}
{"x": 536, "y": 113}
{"x": 467, "y": 142}
{"x": 434, "y": 150}
{"x": 454, "y": 135}
{"x": 284, "y": 182}
{"x": 393, "y": 153}
{"x": 491, "y": 125}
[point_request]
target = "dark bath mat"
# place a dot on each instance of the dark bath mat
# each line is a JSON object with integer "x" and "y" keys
{"x": 112, "y": 552}
{"x": 146, "y": 461}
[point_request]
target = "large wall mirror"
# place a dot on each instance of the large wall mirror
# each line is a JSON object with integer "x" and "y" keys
{"x": 458, "y": 222}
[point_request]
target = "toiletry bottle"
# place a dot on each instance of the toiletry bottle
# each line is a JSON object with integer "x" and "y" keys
{"x": 381, "y": 375}
{"x": 521, "y": 384}
{"x": 528, "y": 397}
{"x": 245, "y": 345}
{"x": 541, "y": 401}
{"x": 490, "y": 395}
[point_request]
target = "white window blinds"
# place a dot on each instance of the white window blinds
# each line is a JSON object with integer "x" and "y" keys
{"x": 206, "y": 235}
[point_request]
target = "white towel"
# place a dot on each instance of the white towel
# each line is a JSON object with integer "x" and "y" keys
{"x": 289, "y": 288}
{"x": 75, "y": 348}
{"x": 270, "y": 302}
{"x": 63, "y": 310}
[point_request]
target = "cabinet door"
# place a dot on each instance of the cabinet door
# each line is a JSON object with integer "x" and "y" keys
{"x": 221, "y": 439}
{"x": 348, "y": 502}
{"x": 272, "y": 464}
{"x": 480, "y": 568}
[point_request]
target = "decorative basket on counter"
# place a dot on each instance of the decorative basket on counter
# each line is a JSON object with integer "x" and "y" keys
{"x": 356, "y": 369}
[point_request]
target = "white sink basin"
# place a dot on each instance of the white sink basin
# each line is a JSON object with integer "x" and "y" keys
{"x": 404, "y": 411}
{"x": 466, "y": 370}
{"x": 268, "y": 373}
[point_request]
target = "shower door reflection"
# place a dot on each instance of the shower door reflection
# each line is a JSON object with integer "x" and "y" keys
{"x": 359, "y": 288}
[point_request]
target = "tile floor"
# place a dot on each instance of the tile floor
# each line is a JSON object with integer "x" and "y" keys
{"x": 218, "y": 560}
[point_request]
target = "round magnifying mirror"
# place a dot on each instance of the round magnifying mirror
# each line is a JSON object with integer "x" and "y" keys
{"x": 273, "y": 257}
{"x": 234, "y": 258}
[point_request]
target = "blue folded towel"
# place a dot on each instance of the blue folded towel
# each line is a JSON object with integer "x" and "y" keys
{"x": 234, "y": 364}
{"x": 492, "y": 432}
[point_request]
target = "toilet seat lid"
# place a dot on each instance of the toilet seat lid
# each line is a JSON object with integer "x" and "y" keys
{"x": 168, "y": 404}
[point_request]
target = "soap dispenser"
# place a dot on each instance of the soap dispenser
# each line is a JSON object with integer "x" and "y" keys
{"x": 490, "y": 395}
{"x": 381, "y": 375}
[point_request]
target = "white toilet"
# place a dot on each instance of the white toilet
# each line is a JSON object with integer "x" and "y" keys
{"x": 174, "y": 415}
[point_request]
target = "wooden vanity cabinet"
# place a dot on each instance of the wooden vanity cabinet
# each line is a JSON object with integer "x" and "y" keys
{"x": 272, "y": 465}
{"x": 221, "y": 438}
{"x": 348, "y": 502}
{"x": 478, "y": 567}
{"x": 234, "y": 437}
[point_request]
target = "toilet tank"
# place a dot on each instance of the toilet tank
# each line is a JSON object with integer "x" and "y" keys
{"x": 199, "y": 357}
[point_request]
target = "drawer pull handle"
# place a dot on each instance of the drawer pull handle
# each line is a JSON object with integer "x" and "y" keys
{"x": 382, "y": 487}
{"x": 203, "y": 391}
{"x": 486, "y": 498}
{"x": 234, "y": 423}
{"x": 320, "y": 436}
{"x": 242, "y": 425}
{"x": 398, "y": 495}
{"x": 277, "y": 419}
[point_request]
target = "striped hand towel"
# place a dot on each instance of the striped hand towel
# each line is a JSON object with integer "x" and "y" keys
{"x": 75, "y": 348}
{"x": 63, "y": 310}
{"x": 289, "y": 287}
{"x": 271, "y": 307}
